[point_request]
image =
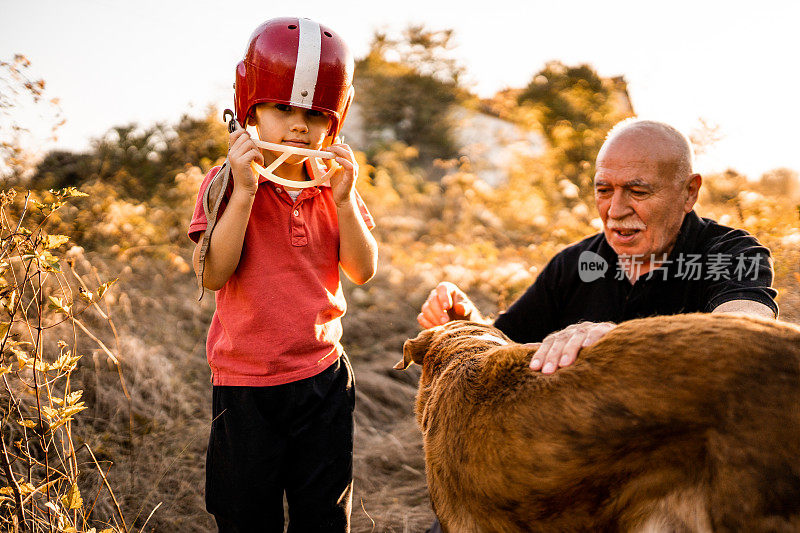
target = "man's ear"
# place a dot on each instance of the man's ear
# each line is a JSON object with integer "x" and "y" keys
{"x": 693, "y": 189}
{"x": 414, "y": 350}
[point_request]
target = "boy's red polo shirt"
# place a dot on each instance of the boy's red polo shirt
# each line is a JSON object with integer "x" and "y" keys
{"x": 278, "y": 316}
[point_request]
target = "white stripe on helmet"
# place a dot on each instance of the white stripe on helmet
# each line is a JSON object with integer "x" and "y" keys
{"x": 309, "y": 49}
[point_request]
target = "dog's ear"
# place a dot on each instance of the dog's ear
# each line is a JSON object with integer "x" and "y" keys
{"x": 414, "y": 349}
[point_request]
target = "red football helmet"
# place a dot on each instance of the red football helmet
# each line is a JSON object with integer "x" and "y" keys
{"x": 298, "y": 62}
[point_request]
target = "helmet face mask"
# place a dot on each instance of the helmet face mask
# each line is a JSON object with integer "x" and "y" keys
{"x": 297, "y": 62}
{"x": 293, "y": 132}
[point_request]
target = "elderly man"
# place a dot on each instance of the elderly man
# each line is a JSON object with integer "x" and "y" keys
{"x": 655, "y": 256}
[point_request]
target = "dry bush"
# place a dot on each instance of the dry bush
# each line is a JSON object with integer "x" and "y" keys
{"x": 50, "y": 472}
{"x": 149, "y": 439}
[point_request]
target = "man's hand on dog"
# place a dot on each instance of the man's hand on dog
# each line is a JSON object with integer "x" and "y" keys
{"x": 445, "y": 303}
{"x": 560, "y": 348}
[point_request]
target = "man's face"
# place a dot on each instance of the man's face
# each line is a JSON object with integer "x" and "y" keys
{"x": 641, "y": 201}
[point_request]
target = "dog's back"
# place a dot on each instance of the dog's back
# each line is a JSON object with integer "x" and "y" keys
{"x": 685, "y": 423}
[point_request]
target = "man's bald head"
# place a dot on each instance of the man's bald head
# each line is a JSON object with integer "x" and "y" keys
{"x": 653, "y": 142}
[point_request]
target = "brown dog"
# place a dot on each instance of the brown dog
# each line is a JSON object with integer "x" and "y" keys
{"x": 682, "y": 423}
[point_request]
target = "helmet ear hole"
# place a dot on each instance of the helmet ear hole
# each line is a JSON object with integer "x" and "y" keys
{"x": 328, "y": 140}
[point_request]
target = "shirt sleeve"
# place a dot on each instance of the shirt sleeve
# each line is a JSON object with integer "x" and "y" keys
{"x": 533, "y": 316}
{"x": 199, "y": 222}
{"x": 365, "y": 214}
{"x": 739, "y": 268}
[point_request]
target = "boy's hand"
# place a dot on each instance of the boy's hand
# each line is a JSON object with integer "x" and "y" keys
{"x": 445, "y": 303}
{"x": 344, "y": 179}
{"x": 241, "y": 153}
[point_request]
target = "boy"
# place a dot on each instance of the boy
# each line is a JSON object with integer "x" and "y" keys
{"x": 282, "y": 386}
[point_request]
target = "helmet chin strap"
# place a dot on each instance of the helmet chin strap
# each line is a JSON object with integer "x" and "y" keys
{"x": 289, "y": 151}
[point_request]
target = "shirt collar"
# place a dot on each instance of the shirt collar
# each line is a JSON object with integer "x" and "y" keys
{"x": 689, "y": 226}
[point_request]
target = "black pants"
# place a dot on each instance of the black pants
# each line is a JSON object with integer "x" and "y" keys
{"x": 296, "y": 438}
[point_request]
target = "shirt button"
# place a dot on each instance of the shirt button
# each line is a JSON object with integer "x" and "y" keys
{"x": 296, "y": 213}
{"x": 277, "y": 189}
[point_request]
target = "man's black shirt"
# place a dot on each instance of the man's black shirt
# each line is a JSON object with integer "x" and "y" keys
{"x": 710, "y": 264}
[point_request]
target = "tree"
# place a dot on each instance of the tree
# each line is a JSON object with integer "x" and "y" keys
{"x": 138, "y": 162}
{"x": 780, "y": 182}
{"x": 575, "y": 109}
{"x": 406, "y": 88}
{"x": 722, "y": 187}
{"x": 60, "y": 168}
{"x": 196, "y": 141}
{"x": 19, "y": 92}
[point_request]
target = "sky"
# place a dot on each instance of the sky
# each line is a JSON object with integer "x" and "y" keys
{"x": 733, "y": 64}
